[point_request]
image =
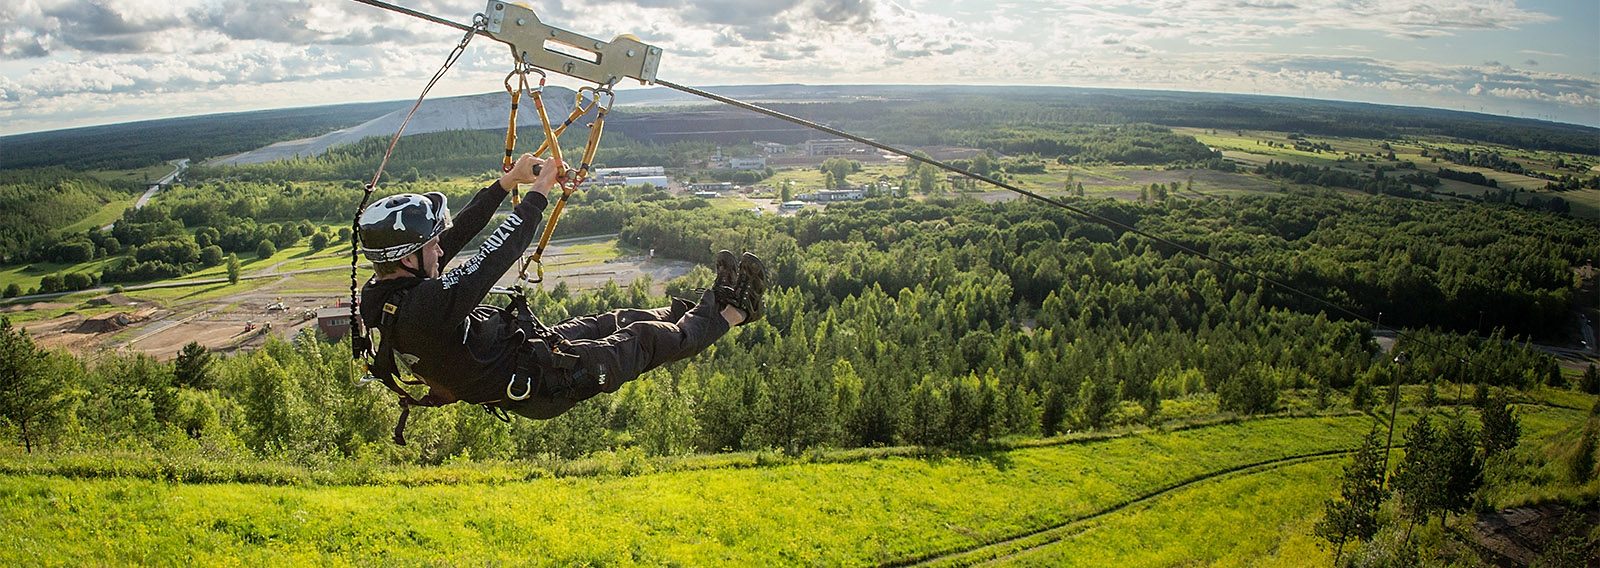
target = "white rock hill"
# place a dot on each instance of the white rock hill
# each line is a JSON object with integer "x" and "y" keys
{"x": 472, "y": 112}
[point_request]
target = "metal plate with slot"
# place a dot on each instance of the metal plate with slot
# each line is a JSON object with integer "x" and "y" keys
{"x": 568, "y": 53}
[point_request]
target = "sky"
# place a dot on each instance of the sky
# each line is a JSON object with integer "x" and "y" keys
{"x": 76, "y": 63}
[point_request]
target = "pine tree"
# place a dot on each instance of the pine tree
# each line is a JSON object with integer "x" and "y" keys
{"x": 1591, "y": 380}
{"x": 1500, "y": 428}
{"x": 1354, "y": 516}
{"x": 1457, "y": 453}
{"x": 1421, "y": 478}
{"x": 190, "y": 368}
{"x": 1582, "y": 464}
{"x": 28, "y": 394}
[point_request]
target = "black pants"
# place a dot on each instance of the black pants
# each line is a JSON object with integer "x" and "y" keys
{"x": 616, "y": 347}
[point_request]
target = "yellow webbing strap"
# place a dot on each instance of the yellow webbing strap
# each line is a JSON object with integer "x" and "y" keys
{"x": 569, "y": 183}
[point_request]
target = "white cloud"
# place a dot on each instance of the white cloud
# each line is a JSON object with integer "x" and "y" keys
{"x": 129, "y": 54}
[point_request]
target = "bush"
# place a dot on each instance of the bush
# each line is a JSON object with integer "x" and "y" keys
{"x": 52, "y": 283}
{"x": 266, "y": 249}
{"x": 13, "y": 290}
{"x": 1252, "y": 390}
{"x": 211, "y": 255}
{"x": 78, "y": 281}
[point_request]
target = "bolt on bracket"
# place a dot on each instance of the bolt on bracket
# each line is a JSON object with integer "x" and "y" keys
{"x": 575, "y": 55}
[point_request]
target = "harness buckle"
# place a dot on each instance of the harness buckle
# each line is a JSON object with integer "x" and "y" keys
{"x": 527, "y": 389}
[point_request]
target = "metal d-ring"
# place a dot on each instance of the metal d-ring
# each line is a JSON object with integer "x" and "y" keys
{"x": 527, "y": 391}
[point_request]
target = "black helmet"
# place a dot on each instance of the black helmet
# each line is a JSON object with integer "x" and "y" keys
{"x": 396, "y": 226}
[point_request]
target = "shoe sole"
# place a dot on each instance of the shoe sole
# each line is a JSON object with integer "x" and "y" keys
{"x": 753, "y": 273}
{"x": 726, "y": 264}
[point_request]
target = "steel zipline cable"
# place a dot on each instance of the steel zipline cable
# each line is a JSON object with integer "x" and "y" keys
{"x": 986, "y": 179}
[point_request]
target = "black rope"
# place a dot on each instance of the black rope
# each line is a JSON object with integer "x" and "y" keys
{"x": 986, "y": 179}
{"x": 360, "y": 346}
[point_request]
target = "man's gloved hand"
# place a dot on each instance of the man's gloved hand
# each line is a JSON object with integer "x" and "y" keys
{"x": 531, "y": 170}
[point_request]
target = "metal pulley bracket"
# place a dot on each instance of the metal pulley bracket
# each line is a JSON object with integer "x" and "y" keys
{"x": 568, "y": 53}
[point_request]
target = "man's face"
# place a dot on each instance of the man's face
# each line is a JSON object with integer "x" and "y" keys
{"x": 430, "y": 259}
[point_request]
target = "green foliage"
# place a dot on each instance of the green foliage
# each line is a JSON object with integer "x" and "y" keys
{"x": 1354, "y": 515}
{"x": 265, "y": 249}
{"x": 1500, "y": 428}
{"x": 191, "y": 368}
{"x": 1418, "y": 481}
{"x": 32, "y": 389}
{"x": 1583, "y": 459}
{"x": 35, "y": 204}
{"x": 1252, "y": 390}
{"x": 233, "y": 268}
{"x": 137, "y": 144}
{"x": 1441, "y": 469}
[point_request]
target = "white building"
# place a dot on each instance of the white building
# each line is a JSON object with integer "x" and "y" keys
{"x": 826, "y": 195}
{"x": 755, "y": 163}
{"x": 633, "y": 171}
{"x": 772, "y": 148}
{"x": 656, "y": 181}
{"x": 830, "y": 147}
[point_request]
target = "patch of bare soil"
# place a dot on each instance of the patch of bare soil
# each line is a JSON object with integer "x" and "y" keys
{"x": 33, "y": 306}
{"x": 1519, "y": 536}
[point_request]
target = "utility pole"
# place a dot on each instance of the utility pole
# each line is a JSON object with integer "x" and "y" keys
{"x": 1394, "y": 410}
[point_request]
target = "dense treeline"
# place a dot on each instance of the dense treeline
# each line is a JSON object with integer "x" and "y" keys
{"x": 138, "y": 144}
{"x": 905, "y": 114}
{"x": 924, "y": 115}
{"x": 1467, "y": 157}
{"x": 1474, "y": 178}
{"x": 1375, "y": 183}
{"x": 1130, "y": 144}
{"x": 944, "y": 322}
{"x": 35, "y": 203}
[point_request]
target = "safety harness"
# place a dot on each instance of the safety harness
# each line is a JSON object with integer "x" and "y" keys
{"x": 515, "y": 25}
{"x": 537, "y": 349}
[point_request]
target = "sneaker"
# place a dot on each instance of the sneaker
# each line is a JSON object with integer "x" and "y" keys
{"x": 752, "y": 287}
{"x": 727, "y": 268}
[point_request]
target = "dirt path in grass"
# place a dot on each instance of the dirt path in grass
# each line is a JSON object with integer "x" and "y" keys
{"x": 1012, "y": 546}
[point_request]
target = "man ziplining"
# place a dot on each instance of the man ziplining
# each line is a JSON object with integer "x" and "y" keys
{"x": 433, "y": 325}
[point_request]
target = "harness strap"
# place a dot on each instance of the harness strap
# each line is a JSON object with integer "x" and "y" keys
{"x": 384, "y": 369}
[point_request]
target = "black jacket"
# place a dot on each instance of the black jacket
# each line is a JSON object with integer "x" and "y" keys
{"x": 440, "y": 331}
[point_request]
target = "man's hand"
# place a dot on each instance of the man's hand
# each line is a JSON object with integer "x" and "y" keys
{"x": 523, "y": 173}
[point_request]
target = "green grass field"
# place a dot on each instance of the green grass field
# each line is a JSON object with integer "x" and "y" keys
{"x": 866, "y": 512}
{"x": 107, "y": 214}
{"x": 1199, "y": 526}
{"x": 1148, "y": 498}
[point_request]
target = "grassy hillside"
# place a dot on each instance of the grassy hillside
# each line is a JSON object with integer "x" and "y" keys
{"x": 1167, "y": 490}
{"x": 732, "y": 516}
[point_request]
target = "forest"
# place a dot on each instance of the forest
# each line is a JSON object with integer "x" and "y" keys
{"x": 137, "y": 144}
{"x": 941, "y": 323}
{"x": 918, "y": 115}
{"x": 35, "y": 202}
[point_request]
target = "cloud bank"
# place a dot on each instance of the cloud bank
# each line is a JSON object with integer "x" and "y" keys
{"x": 104, "y": 60}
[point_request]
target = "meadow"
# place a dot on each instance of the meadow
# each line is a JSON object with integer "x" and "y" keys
{"x": 743, "y": 516}
{"x": 1145, "y": 498}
